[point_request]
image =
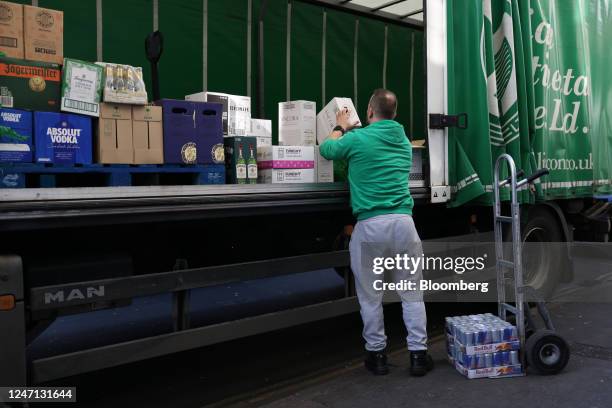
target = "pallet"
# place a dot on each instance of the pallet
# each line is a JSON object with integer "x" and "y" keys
{"x": 35, "y": 175}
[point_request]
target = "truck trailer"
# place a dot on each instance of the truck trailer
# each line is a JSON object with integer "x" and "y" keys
{"x": 474, "y": 79}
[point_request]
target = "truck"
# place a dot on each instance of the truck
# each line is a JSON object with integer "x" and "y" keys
{"x": 474, "y": 79}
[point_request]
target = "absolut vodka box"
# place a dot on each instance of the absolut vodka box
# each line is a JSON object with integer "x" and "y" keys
{"x": 15, "y": 135}
{"x": 62, "y": 138}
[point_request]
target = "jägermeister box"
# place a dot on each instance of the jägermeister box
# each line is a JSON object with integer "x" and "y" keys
{"x": 62, "y": 138}
{"x": 81, "y": 87}
{"x": 29, "y": 85}
{"x": 15, "y": 135}
{"x": 240, "y": 159}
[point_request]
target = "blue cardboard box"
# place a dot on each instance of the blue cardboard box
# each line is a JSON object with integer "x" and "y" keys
{"x": 15, "y": 135}
{"x": 62, "y": 138}
{"x": 193, "y": 132}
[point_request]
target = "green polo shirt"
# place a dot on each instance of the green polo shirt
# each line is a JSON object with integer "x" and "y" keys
{"x": 379, "y": 158}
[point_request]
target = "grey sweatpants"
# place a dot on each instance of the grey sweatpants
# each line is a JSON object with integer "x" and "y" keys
{"x": 386, "y": 236}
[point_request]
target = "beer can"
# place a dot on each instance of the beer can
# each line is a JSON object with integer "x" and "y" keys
{"x": 505, "y": 358}
{"x": 488, "y": 360}
{"x": 514, "y": 357}
{"x": 498, "y": 359}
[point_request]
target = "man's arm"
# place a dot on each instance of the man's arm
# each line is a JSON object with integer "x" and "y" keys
{"x": 336, "y": 147}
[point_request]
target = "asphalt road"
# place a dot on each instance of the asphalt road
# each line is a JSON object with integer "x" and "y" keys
{"x": 296, "y": 366}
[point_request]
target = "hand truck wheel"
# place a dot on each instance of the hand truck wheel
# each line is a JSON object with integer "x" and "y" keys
{"x": 547, "y": 352}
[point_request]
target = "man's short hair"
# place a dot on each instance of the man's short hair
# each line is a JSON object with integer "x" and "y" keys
{"x": 384, "y": 103}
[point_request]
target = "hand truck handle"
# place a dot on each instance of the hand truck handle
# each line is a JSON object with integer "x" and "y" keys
{"x": 519, "y": 174}
{"x": 539, "y": 173}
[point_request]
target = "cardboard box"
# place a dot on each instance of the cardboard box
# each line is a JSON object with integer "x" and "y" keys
{"x": 240, "y": 170}
{"x": 62, "y": 138}
{"x": 236, "y": 111}
{"x": 11, "y": 29}
{"x": 147, "y": 132}
{"x": 123, "y": 84}
{"x": 43, "y": 34}
{"x": 81, "y": 87}
{"x": 193, "y": 132}
{"x": 286, "y": 176}
{"x": 326, "y": 119}
{"x": 297, "y": 123}
{"x": 262, "y": 130}
{"x": 29, "y": 85}
{"x": 286, "y": 157}
{"x": 15, "y": 135}
{"x": 114, "y": 143}
{"x": 324, "y": 168}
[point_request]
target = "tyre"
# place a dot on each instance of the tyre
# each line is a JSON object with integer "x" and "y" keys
{"x": 542, "y": 262}
{"x": 546, "y": 352}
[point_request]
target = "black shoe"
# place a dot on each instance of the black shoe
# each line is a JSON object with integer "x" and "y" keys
{"x": 420, "y": 363}
{"x": 376, "y": 362}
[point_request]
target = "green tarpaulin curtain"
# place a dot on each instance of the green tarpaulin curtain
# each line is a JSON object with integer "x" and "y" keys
{"x": 530, "y": 76}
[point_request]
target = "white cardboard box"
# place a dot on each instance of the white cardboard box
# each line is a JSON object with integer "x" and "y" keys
{"x": 324, "y": 168}
{"x": 287, "y": 157}
{"x": 262, "y": 130}
{"x": 263, "y": 141}
{"x": 236, "y": 111}
{"x": 285, "y": 176}
{"x": 261, "y": 127}
{"x": 297, "y": 123}
{"x": 326, "y": 119}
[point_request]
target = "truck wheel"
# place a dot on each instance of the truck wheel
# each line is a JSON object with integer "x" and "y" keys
{"x": 542, "y": 262}
{"x": 547, "y": 352}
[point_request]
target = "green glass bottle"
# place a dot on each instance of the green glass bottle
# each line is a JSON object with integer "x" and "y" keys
{"x": 252, "y": 167}
{"x": 241, "y": 167}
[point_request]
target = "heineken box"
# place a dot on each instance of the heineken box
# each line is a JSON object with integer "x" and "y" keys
{"x": 62, "y": 138}
{"x": 240, "y": 159}
{"x": 15, "y": 135}
{"x": 193, "y": 132}
{"x": 81, "y": 87}
{"x": 29, "y": 85}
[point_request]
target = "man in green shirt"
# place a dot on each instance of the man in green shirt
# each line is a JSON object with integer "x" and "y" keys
{"x": 379, "y": 158}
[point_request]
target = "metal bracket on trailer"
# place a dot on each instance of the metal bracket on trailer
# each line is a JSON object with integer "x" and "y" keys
{"x": 12, "y": 323}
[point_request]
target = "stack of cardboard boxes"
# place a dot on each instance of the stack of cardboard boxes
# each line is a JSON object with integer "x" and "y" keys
{"x": 293, "y": 160}
{"x": 31, "y": 39}
{"x": 239, "y": 142}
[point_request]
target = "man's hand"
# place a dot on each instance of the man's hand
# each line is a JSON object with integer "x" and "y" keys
{"x": 342, "y": 118}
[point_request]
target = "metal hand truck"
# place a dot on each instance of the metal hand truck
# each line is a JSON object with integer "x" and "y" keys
{"x": 544, "y": 350}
